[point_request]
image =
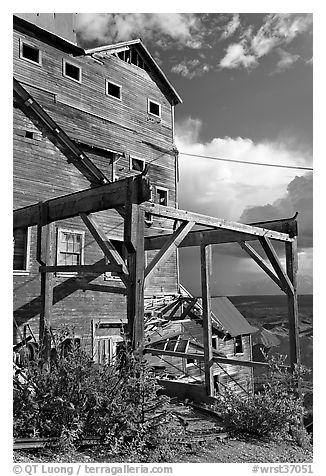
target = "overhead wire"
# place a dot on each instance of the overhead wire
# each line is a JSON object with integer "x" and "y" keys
{"x": 283, "y": 166}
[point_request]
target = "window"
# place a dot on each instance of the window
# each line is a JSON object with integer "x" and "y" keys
{"x": 70, "y": 247}
{"x": 154, "y": 108}
{"x": 29, "y": 134}
{"x": 20, "y": 249}
{"x": 238, "y": 347}
{"x": 71, "y": 71}
{"x": 190, "y": 362}
{"x": 162, "y": 196}
{"x": 137, "y": 165}
{"x": 30, "y": 53}
{"x": 113, "y": 89}
{"x": 215, "y": 342}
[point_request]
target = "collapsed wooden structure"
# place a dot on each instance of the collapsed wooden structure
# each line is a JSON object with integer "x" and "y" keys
{"x": 131, "y": 196}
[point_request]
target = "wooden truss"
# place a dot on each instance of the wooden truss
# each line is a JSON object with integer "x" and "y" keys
{"x": 131, "y": 194}
{"x": 223, "y": 231}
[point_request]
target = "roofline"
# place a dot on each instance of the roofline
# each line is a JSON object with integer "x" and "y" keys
{"x": 176, "y": 98}
{"x": 21, "y": 23}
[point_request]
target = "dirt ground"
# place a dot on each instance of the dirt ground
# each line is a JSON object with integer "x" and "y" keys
{"x": 226, "y": 451}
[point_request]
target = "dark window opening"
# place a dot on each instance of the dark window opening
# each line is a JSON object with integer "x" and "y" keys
{"x": 20, "y": 249}
{"x": 190, "y": 361}
{"x": 113, "y": 90}
{"x": 29, "y": 134}
{"x": 72, "y": 71}
{"x": 148, "y": 218}
{"x": 238, "y": 347}
{"x": 31, "y": 53}
{"x": 133, "y": 57}
{"x": 154, "y": 108}
{"x": 162, "y": 196}
{"x": 214, "y": 342}
{"x": 138, "y": 165}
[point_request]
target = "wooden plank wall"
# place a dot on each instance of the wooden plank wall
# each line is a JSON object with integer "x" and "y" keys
{"x": 41, "y": 171}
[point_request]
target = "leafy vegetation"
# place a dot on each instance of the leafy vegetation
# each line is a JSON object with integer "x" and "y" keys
{"x": 78, "y": 399}
{"x": 276, "y": 410}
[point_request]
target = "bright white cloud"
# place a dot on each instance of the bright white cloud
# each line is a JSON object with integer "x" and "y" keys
{"x": 236, "y": 56}
{"x": 231, "y": 27}
{"x": 115, "y": 27}
{"x": 224, "y": 189}
{"x": 277, "y": 30}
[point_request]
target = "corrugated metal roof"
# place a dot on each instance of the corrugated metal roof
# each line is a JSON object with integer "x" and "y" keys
{"x": 229, "y": 318}
{"x": 265, "y": 337}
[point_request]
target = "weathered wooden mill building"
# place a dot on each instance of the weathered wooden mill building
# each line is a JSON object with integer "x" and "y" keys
{"x": 96, "y": 220}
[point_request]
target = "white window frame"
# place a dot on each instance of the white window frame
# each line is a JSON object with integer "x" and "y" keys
{"x": 64, "y": 62}
{"x": 27, "y": 43}
{"x": 131, "y": 158}
{"x": 26, "y": 270}
{"x": 157, "y": 104}
{"x": 76, "y": 232}
{"x": 114, "y": 84}
{"x": 164, "y": 189}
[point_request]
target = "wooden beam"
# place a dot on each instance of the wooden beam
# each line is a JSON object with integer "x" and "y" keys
{"x": 287, "y": 228}
{"x": 190, "y": 306}
{"x": 169, "y": 247}
{"x": 261, "y": 263}
{"x": 106, "y": 245}
{"x": 207, "y": 322}
{"x": 204, "y": 220}
{"x": 220, "y": 360}
{"x": 275, "y": 262}
{"x": 291, "y": 255}
{"x": 74, "y": 154}
{"x": 134, "y": 242}
{"x": 104, "y": 197}
{"x": 84, "y": 268}
{"x": 47, "y": 255}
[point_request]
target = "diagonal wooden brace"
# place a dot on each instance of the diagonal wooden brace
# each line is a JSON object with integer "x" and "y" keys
{"x": 169, "y": 246}
{"x": 106, "y": 245}
{"x": 275, "y": 262}
{"x": 259, "y": 260}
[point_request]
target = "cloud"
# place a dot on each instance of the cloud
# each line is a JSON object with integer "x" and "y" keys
{"x": 246, "y": 194}
{"x": 298, "y": 197}
{"x": 226, "y": 190}
{"x": 286, "y": 61}
{"x": 231, "y": 26}
{"x": 236, "y": 56}
{"x": 191, "y": 68}
{"x": 166, "y": 28}
{"x": 277, "y": 30}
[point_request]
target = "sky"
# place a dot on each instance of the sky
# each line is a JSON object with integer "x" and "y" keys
{"x": 246, "y": 84}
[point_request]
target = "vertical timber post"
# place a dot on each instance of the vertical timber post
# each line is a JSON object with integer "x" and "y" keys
{"x": 291, "y": 254}
{"x": 45, "y": 256}
{"x": 134, "y": 242}
{"x": 205, "y": 260}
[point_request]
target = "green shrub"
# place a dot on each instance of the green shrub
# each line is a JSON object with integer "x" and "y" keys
{"x": 275, "y": 410}
{"x": 78, "y": 399}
